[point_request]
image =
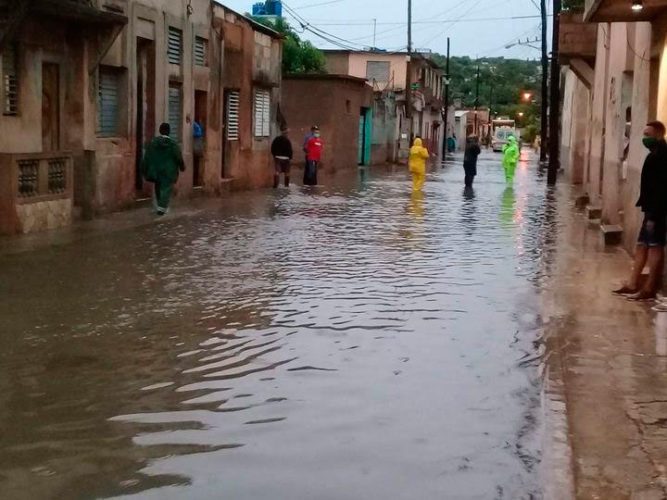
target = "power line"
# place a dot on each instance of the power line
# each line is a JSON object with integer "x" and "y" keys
{"x": 440, "y": 21}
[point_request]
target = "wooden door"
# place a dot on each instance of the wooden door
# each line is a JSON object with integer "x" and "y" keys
{"x": 50, "y": 107}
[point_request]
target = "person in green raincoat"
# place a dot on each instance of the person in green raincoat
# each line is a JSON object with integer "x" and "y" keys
{"x": 161, "y": 164}
{"x": 510, "y": 158}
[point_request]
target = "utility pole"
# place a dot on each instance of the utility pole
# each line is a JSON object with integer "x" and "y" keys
{"x": 408, "y": 75}
{"x": 476, "y": 99}
{"x": 446, "y": 113}
{"x": 375, "y": 25}
{"x": 554, "y": 100}
{"x": 544, "y": 134}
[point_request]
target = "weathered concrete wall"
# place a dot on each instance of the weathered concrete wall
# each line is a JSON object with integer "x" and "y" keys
{"x": 385, "y": 132}
{"x": 598, "y": 115}
{"x": 334, "y": 104}
{"x": 337, "y": 63}
{"x": 614, "y": 125}
{"x": 578, "y": 156}
{"x": 252, "y": 61}
{"x": 568, "y": 120}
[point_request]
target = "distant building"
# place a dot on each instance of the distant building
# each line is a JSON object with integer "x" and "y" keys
{"x": 341, "y": 106}
{"x": 387, "y": 73}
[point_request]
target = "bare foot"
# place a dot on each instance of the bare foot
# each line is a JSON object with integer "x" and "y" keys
{"x": 643, "y": 296}
{"x": 625, "y": 290}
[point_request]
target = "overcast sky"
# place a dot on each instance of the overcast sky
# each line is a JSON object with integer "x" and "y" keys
{"x": 476, "y": 27}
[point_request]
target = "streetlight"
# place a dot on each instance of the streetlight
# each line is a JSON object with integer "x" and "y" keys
{"x": 527, "y": 96}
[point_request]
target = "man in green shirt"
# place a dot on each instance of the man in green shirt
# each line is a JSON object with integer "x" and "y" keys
{"x": 161, "y": 164}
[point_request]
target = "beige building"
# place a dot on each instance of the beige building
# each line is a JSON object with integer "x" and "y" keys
{"x": 87, "y": 83}
{"x": 387, "y": 72}
{"x": 615, "y": 81}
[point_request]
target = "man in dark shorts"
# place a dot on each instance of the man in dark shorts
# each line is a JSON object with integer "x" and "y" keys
{"x": 281, "y": 149}
{"x": 653, "y": 202}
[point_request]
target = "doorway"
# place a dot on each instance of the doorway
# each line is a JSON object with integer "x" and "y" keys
{"x": 145, "y": 112}
{"x": 199, "y": 143}
{"x": 365, "y": 128}
{"x": 50, "y": 107}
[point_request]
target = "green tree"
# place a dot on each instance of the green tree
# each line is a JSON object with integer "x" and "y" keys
{"x": 299, "y": 56}
{"x": 502, "y": 84}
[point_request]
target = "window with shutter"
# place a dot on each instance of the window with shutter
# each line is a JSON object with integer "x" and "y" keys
{"x": 107, "y": 102}
{"x": 175, "y": 112}
{"x": 10, "y": 80}
{"x": 174, "y": 45}
{"x": 201, "y": 49}
{"x": 233, "y": 115}
{"x": 262, "y": 113}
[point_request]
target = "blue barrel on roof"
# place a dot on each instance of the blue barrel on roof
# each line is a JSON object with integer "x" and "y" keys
{"x": 274, "y": 8}
{"x": 258, "y": 9}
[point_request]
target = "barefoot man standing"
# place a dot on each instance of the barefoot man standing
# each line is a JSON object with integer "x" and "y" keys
{"x": 653, "y": 202}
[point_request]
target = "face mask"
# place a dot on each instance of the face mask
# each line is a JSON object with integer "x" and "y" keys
{"x": 317, "y": 134}
{"x": 650, "y": 142}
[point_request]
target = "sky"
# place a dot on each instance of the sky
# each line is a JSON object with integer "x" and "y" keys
{"x": 477, "y": 28}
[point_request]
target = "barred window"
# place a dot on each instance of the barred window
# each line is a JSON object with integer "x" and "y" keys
{"x": 262, "y": 113}
{"x": 174, "y": 45}
{"x": 201, "y": 51}
{"x": 108, "y": 102}
{"x": 233, "y": 101}
{"x": 10, "y": 81}
{"x": 175, "y": 111}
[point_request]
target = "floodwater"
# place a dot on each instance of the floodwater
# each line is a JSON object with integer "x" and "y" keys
{"x": 347, "y": 342}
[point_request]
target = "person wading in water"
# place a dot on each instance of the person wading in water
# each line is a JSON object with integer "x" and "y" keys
{"x": 470, "y": 159}
{"x": 161, "y": 164}
{"x": 281, "y": 149}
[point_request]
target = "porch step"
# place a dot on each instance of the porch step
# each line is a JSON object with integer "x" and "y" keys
{"x": 582, "y": 202}
{"x": 226, "y": 184}
{"x": 612, "y": 234}
{"x": 593, "y": 212}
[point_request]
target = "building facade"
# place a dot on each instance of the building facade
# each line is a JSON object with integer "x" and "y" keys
{"x": 341, "y": 106}
{"x": 80, "y": 104}
{"x": 615, "y": 82}
{"x": 388, "y": 74}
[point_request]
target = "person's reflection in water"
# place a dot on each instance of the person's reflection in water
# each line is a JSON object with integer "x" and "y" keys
{"x": 468, "y": 211}
{"x": 507, "y": 207}
{"x": 417, "y": 206}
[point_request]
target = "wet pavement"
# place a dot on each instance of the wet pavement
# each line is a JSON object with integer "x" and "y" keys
{"x": 347, "y": 342}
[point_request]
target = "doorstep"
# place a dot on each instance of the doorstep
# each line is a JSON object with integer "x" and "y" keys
{"x": 612, "y": 234}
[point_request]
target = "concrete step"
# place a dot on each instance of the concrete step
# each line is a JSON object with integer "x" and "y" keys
{"x": 582, "y": 202}
{"x": 612, "y": 234}
{"x": 593, "y": 212}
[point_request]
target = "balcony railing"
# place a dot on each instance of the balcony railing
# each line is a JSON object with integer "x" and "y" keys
{"x": 577, "y": 39}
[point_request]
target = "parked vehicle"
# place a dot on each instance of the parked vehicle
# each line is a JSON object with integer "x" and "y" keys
{"x": 502, "y": 129}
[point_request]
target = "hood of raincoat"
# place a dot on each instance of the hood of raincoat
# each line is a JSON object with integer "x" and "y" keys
{"x": 418, "y": 143}
{"x": 511, "y": 139}
{"x": 163, "y": 141}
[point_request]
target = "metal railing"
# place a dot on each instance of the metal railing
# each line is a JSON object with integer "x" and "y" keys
{"x": 42, "y": 176}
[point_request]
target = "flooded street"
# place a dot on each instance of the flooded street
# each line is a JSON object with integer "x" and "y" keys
{"x": 348, "y": 342}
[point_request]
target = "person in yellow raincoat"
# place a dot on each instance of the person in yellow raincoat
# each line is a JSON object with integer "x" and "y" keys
{"x": 418, "y": 156}
{"x": 510, "y": 158}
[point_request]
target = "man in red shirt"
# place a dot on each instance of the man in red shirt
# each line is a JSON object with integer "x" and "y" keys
{"x": 313, "y": 157}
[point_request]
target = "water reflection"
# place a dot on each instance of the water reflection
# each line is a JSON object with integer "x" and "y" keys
{"x": 298, "y": 335}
